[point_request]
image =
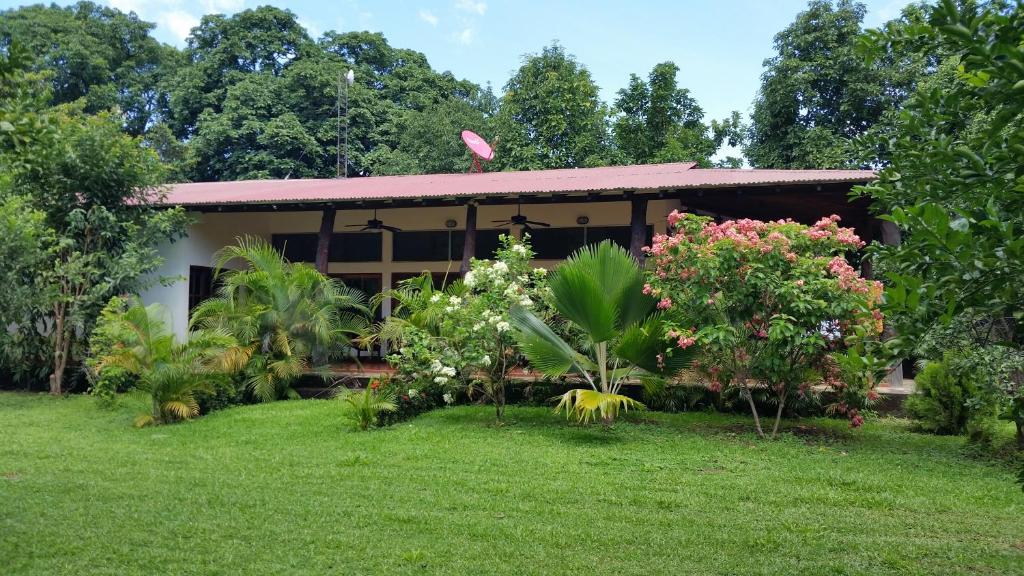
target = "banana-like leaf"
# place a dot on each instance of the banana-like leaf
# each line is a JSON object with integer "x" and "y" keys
{"x": 545, "y": 350}
{"x": 585, "y": 404}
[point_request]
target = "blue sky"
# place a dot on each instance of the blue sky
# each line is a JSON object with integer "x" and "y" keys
{"x": 719, "y": 45}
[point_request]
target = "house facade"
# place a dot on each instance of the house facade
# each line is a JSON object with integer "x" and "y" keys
{"x": 438, "y": 222}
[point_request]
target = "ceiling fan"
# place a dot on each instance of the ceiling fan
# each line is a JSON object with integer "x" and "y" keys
{"x": 520, "y": 220}
{"x": 374, "y": 224}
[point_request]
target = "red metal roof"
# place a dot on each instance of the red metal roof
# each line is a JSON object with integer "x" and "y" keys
{"x": 612, "y": 178}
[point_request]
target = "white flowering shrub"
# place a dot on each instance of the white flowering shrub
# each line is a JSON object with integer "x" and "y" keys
{"x": 468, "y": 343}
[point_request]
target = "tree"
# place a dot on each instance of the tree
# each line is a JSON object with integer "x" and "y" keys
{"x": 659, "y": 122}
{"x": 768, "y": 303}
{"x": 551, "y": 116}
{"x": 168, "y": 373}
{"x": 98, "y": 54}
{"x": 615, "y": 328}
{"x": 283, "y": 315}
{"x": 954, "y": 188}
{"x": 817, "y": 93}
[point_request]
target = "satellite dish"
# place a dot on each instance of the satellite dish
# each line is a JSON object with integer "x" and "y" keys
{"x": 479, "y": 147}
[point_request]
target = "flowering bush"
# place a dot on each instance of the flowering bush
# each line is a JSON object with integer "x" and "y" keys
{"x": 461, "y": 337}
{"x": 768, "y": 303}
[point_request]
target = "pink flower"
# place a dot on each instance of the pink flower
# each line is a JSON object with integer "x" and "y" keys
{"x": 674, "y": 217}
{"x": 647, "y": 289}
{"x": 664, "y": 303}
{"x": 800, "y": 282}
{"x": 685, "y": 342}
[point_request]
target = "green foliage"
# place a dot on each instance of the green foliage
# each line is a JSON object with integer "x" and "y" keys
{"x": 551, "y": 116}
{"x": 818, "y": 92}
{"x": 134, "y": 339}
{"x": 942, "y": 402}
{"x": 770, "y": 304}
{"x": 597, "y": 291}
{"x": 659, "y": 122}
{"x": 284, "y": 316}
{"x": 96, "y": 54}
{"x": 364, "y": 407}
{"x": 954, "y": 187}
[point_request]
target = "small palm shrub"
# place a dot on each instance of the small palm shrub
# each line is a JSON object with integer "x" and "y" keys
{"x": 941, "y": 404}
{"x": 169, "y": 374}
{"x": 364, "y": 408}
{"x": 615, "y": 332}
{"x": 285, "y": 316}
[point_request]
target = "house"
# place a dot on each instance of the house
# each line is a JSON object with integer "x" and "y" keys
{"x": 373, "y": 232}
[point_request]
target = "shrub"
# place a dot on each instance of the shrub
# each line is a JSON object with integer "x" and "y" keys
{"x": 364, "y": 407}
{"x": 767, "y": 303}
{"x": 167, "y": 373}
{"x": 285, "y": 317}
{"x": 941, "y": 404}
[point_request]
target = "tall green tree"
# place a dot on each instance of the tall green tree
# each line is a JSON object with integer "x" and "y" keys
{"x": 817, "y": 93}
{"x": 98, "y": 54}
{"x": 955, "y": 186}
{"x": 658, "y": 121}
{"x": 551, "y": 115}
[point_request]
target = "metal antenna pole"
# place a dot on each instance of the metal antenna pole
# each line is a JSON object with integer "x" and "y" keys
{"x": 346, "y": 131}
{"x": 337, "y": 146}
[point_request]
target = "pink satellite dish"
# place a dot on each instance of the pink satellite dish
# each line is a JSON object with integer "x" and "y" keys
{"x": 479, "y": 147}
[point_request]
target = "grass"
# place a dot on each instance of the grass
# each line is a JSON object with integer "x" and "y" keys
{"x": 284, "y": 488}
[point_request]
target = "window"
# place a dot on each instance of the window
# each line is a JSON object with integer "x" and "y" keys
{"x": 441, "y": 245}
{"x": 559, "y": 243}
{"x": 368, "y": 284}
{"x": 201, "y": 285}
{"x": 344, "y": 247}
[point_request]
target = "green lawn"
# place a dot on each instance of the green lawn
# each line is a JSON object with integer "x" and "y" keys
{"x": 285, "y": 489}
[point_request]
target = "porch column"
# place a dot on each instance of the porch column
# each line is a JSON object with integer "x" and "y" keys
{"x": 323, "y": 239}
{"x": 638, "y": 228}
{"x": 469, "y": 244}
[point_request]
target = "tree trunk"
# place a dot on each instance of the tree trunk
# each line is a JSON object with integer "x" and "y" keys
{"x": 753, "y": 410}
{"x": 61, "y": 348}
{"x": 778, "y": 415}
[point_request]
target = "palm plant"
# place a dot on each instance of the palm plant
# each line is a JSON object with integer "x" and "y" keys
{"x": 598, "y": 292}
{"x": 364, "y": 407}
{"x": 283, "y": 315}
{"x": 410, "y": 309}
{"x": 169, "y": 373}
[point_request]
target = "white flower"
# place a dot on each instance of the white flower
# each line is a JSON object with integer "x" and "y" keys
{"x": 436, "y": 366}
{"x": 540, "y": 271}
{"x": 448, "y": 371}
{"x": 455, "y": 300}
{"x": 469, "y": 279}
{"x": 413, "y": 392}
{"x": 500, "y": 267}
{"x": 526, "y": 302}
{"x": 519, "y": 249}
{"x": 449, "y": 309}
{"x": 502, "y": 326}
{"x": 435, "y": 298}
{"x": 512, "y": 290}
{"x": 439, "y": 380}
{"x": 486, "y": 360}
{"x": 478, "y": 326}
{"x": 493, "y": 319}
{"x": 448, "y": 398}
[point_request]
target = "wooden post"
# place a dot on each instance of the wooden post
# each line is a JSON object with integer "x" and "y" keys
{"x": 469, "y": 244}
{"x": 323, "y": 239}
{"x": 638, "y": 228}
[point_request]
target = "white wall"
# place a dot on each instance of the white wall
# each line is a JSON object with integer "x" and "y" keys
{"x": 215, "y": 230}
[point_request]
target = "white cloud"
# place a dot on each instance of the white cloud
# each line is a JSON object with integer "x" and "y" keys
{"x": 466, "y": 36}
{"x": 222, "y": 6}
{"x": 178, "y": 22}
{"x": 428, "y": 17}
{"x": 471, "y": 6}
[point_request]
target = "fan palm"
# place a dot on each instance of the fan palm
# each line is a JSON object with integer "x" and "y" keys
{"x": 168, "y": 372}
{"x": 598, "y": 292}
{"x": 282, "y": 314}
